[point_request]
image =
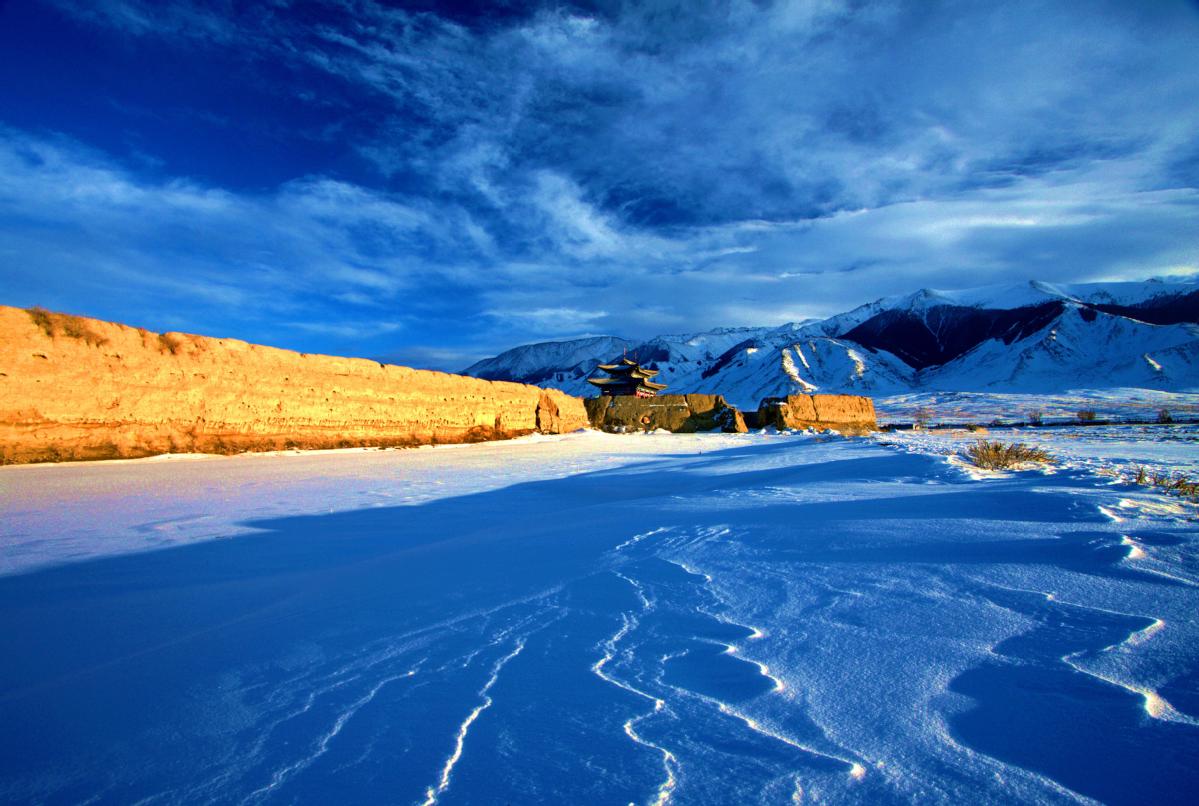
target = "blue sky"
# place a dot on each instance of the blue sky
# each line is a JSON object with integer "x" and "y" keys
{"x": 436, "y": 182}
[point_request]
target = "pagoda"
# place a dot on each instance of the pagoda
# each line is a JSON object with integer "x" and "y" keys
{"x": 627, "y": 378}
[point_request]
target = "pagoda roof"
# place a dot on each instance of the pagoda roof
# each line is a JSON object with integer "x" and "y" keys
{"x": 627, "y": 367}
{"x": 624, "y": 381}
{"x": 627, "y": 377}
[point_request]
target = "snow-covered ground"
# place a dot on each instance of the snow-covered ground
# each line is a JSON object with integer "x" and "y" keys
{"x": 604, "y": 619}
{"x": 1116, "y": 452}
{"x": 56, "y": 513}
{"x": 985, "y": 407}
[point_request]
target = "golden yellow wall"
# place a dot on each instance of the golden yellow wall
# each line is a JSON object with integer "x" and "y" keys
{"x": 74, "y": 388}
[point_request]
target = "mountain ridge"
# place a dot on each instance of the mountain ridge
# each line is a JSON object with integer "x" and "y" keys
{"x": 1033, "y": 336}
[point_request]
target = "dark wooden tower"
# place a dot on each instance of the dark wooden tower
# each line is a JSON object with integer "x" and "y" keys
{"x": 627, "y": 378}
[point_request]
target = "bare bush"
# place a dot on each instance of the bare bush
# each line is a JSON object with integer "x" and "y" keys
{"x": 1035, "y": 418}
{"x": 42, "y": 318}
{"x": 64, "y": 324}
{"x": 1178, "y": 484}
{"x": 169, "y": 343}
{"x": 1000, "y": 456}
{"x": 922, "y": 416}
{"x": 1164, "y": 416}
{"x": 1086, "y": 416}
{"x": 1184, "y": 486}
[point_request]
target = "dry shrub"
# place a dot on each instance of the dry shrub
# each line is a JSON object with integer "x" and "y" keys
{"x": 170, "y": 343}
{"x": 64, "y": 324}
{"x": 1184, "y": 486}
{"x": 41, "y": 318}
{"x": 998, "y": 456}
{"x": 1178, "y": 484}
{"x": 1086, "y": 416}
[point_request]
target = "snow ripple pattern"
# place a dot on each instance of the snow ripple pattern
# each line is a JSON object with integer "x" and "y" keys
{"x": 434, "y": 793}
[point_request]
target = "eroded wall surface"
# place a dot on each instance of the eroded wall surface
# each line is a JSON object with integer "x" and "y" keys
{"x": 76, "y": 388}
{"x": 848, "y": 413}
{"x": 679, "y": 413}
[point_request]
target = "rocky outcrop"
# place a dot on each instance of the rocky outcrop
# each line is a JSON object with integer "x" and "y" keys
{"x": 845, "y": 413}
{"x": 677, "y": 413}
{"x": 75, "y": 388}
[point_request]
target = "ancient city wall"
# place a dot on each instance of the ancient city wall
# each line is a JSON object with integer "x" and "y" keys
{"x": 849, "y": 414}
{"x": 676, "y": 413}
{"x": 75, "y": 388}
{"x": 846, "y": 413}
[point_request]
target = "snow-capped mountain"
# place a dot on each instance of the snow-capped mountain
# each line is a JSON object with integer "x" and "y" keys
{"x": 1035, "y": 337}
{"x": 1080, "y": 348}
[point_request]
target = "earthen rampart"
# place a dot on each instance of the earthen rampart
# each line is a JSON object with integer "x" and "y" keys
{"x": 845, "y": 413}
{"x": 74, "y": 388}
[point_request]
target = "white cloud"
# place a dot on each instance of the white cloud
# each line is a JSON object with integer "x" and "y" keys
{"x": 190, "y": 245}
{"x": 357, "y": 329}
{"x": 552, "y": 322}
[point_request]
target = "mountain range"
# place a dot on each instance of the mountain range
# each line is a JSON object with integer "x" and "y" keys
{"x": 1032, "y": 337}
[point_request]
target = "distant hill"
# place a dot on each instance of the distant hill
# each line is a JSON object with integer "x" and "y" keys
{"x": 550, "y": 363}
{"x": 1031, "y": 337}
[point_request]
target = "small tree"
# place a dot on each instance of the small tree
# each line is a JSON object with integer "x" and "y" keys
{"x": 1035, "y": 418}
{"x": 1164, "y": 416}
{"x": 921, "y": 417}
{"x": 1086, "y": 416}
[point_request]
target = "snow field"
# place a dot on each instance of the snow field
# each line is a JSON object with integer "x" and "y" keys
{"x": 603, "y": 618}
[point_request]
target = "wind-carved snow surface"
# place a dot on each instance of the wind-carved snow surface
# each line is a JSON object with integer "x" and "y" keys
{"x": 662, "y": 619}
{"x": 609, "y": 647}
{"x": 433, "y": 794}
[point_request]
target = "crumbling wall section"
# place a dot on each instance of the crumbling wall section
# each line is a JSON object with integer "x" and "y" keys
{"x": 677, "y": 413}
{"x": 845, "y": 413}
